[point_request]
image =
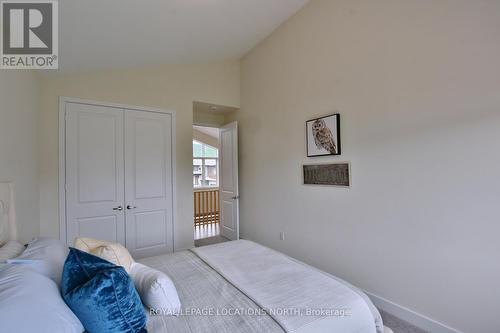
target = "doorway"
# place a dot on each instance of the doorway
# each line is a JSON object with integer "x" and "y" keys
{"x": 215, "y": 184}
{"x": 206, "y": 182}
{"x": 215, "y": 174}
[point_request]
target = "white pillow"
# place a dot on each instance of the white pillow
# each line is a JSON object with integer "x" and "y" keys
{"x": 30, "y": 302}
{"x": 10, "y": 250}
{"x": 46, "y": 256}
{"x": 156, "y": 289}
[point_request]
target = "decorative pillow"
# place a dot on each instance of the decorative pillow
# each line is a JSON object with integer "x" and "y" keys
{"x": 31, "y": 302}
{"x": 9, "y": 250}
{"x": 46, "y": 256}
{"x": 112, "y": 252}
{"x": 101, "y": 295}
{"x": 115, "y": 253}
{"x": 156, "y": 289}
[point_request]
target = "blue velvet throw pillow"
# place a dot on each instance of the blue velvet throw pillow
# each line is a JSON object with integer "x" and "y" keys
{"x": 102, "y": 295}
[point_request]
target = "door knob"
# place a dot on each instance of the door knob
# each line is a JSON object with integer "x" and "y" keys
{"x": 131, "y": 207}
{"x": 118, "y": 208}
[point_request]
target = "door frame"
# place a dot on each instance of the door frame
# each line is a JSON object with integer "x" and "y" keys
{"x": 62, "y": 156}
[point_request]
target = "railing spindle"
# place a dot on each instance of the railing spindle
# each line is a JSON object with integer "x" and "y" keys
{"x": 206, "y": 207}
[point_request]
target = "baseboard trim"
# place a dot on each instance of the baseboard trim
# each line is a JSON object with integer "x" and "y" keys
{"x": 411, "y": 316}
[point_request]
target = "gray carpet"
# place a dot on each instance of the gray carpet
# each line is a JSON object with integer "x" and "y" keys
{"x": 210, "y": 241}
{"x": 396, "y": 324}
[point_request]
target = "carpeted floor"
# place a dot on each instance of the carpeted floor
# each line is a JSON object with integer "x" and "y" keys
{"x": 210, "y": 241}
{"x": 396, "y": 324}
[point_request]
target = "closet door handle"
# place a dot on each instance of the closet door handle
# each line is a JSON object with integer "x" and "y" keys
{"x": 118, "y": 208}
{"x": 131, "y": 207}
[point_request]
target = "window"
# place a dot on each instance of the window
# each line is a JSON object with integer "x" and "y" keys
{"x": 205, "y": 165}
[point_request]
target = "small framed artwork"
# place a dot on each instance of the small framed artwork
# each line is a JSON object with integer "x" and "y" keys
{"x": 323, "y": 136}
{"x": 336, "y": 174}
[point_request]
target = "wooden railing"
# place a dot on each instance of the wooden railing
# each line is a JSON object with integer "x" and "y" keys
{"x": 206, "y": 207}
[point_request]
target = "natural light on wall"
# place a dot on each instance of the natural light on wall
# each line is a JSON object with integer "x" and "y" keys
{"x": 205, "y": 165}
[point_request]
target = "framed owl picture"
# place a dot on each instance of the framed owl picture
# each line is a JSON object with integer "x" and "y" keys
{"x": 323, "y": 136}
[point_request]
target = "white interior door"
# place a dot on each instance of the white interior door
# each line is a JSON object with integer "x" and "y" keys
{"x": 228, "y": 169}
{"x": 94, "y": 172}
{"x": 148, "y": 183}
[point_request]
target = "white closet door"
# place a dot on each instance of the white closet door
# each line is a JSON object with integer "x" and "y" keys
{"x": 94, "y": 173}
{"x": 148, "y": 183}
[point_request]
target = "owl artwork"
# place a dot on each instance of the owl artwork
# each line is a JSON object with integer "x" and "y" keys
{"x": 323, "y": 137}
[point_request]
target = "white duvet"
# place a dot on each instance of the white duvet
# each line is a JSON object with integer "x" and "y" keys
{"x": 299, "y": 297}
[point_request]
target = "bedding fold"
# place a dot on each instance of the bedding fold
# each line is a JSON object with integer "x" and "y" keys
{"x": 203, "y": 293}
{"x": 298, "y": 297}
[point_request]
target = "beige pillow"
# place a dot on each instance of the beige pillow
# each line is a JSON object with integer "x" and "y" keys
{"x": 112, "y": 252}
{"x": 87, "y": 244}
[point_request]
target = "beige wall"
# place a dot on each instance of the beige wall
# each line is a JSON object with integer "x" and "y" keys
{"x": 168, "y": 87}
{"x": 208, "y": 119}
{"x": 418, "y": 86}
{"x": 18, "y": 145}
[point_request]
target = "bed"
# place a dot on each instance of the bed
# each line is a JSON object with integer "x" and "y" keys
{"x": 237, "y": 286}
{"x": 242, "y": 286}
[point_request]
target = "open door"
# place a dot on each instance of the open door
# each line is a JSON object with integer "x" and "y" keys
{"x": 228, "y": 182}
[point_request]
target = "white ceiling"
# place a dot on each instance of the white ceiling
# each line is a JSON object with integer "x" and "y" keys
{"x": 102, "y": 34}
{"x": 211, "y": 131}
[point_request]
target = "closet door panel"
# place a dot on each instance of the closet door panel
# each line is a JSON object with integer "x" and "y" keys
{"x": 148, "y": 183}
{"x": 94, "y": 172}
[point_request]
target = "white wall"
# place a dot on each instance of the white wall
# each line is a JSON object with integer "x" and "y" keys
{"x": 418, "y": 86}
{"x": 18, "y": 145}
{"x": 168, "y": 87}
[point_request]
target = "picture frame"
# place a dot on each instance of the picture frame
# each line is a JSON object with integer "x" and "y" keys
{"x": 329, "y": 174}
{"x": 323, "y": 136}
